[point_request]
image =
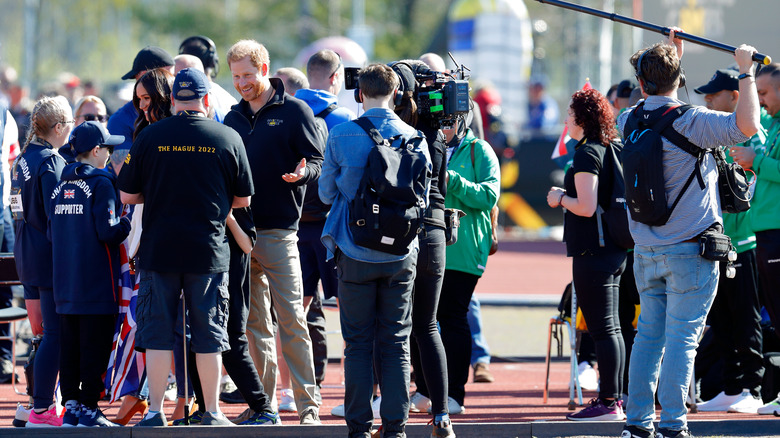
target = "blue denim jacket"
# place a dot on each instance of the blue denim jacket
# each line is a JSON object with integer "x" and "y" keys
{"x": 346, "y": 156}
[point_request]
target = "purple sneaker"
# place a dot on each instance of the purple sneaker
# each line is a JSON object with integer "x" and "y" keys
{"x": 597, "y": 411}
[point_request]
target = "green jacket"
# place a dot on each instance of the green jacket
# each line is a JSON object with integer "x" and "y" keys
{"x": 473, "y": 188}
{"x": 764, "y": 212}
{"x": 737, "y": 225}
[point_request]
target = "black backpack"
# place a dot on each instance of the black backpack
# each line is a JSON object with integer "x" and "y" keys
{"x": 642, "y": 158}
{"x": 389, "y": 205}
{"x": 612, "y": 212}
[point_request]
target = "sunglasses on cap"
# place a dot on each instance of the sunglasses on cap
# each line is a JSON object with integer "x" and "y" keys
{"x": 102, "y": 118}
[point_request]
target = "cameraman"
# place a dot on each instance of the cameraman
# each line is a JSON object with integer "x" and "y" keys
{"x": 430, "y": 364}
{"x": 474, "y": 189}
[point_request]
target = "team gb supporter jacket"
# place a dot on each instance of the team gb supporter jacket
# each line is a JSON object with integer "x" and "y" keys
{"x": 86, "y": 231}
{"x": 35, "y": 174}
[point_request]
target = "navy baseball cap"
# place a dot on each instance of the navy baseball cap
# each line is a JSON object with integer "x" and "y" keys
{"x": 190, "y": 84}
{"x": 87, "y": 135}
{"x": 625, "y": 87}
{"x": 148, "y": 58}
{"x": 723, "y": 79}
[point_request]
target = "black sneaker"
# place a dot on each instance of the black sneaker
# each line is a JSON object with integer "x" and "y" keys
{"x": 635, "y": 432}
{"x": 233, "y": 397}
{"x": 94, "y": 418}
{"x": 669, "y": 433}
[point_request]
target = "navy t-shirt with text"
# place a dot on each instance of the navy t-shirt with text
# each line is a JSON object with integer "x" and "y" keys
{"x": 188, "y": 168}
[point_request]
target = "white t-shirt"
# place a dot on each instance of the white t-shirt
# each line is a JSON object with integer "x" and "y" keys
{"x": 10, "y": 136}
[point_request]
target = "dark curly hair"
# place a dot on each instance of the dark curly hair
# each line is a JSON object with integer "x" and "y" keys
{"x": 593, "y": 113}
{"x": 158, "y": 83}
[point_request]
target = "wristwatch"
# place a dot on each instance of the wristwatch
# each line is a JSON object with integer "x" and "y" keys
{"x": 744, "y": 75}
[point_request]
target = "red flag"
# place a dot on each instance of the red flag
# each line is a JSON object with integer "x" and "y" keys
{"x": 560, "y": 146}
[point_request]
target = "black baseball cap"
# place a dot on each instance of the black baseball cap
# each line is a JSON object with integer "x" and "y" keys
{"x": 90, "y": 134}
{"x": 625, "y": 87}
{"x": 148, "y": 58}
{"x": 723, "y": 79}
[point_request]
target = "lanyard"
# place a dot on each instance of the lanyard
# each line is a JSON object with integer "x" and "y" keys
{"x": 451, "y": 150}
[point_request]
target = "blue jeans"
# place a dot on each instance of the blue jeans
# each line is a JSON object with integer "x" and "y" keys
{"x": 676, "y": 290}
{"x": 375, "y": 301}
{"x": 480, "y": 351}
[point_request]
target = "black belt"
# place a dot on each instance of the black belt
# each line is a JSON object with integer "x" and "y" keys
{"x": 435, "y": 217}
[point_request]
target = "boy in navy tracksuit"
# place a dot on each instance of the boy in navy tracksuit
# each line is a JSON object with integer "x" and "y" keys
{"x": 86, "y": 231}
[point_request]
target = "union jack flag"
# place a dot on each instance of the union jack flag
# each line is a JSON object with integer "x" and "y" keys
{"x": 69, "y": 194}
{"x": 126, "y": 367}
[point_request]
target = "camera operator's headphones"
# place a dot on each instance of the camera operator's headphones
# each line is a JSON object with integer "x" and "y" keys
{"x": 650, "y": 87}
{"x": 203, "y": 48}
{"x": 403, "y": 84}
{"x": 406, "y": 80}
{"x": 398, "y": 96}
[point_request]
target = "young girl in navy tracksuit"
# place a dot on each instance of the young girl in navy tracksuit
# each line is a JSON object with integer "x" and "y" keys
{"x": 86, "y": 231}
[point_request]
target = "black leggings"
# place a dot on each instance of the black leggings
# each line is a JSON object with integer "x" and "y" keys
{"x": 456, "y": 291}
{"x": 629, "y": 299}
{"x": 428, "y": 357}
{"x": 596, "y": 282}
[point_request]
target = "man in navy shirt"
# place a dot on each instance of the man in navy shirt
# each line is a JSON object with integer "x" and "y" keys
{"x": 188, "y": 171}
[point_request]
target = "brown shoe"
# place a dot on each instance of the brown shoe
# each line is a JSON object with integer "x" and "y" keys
{"x": 482, "y": 373}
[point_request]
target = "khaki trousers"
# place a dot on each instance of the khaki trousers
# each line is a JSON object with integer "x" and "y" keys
{"x": 276, "y": 278}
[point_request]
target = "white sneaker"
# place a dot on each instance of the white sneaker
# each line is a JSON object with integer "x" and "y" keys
{"x": 226, "y": 384}
{"x": 22, "y": 415}
{"x": 287, "y": 402}
{"x": 452, "y": 406}
{"x": 419, "y": 403}
{"x": 375, "y": 407}
{"x": 588, "y": 378}
{"x": 719, "y": 403}
{"x": 170, "y": 390}
{"x": 746, "y": 404}
{"x": 338, "y": 411}
{"x": 770, "y": 408}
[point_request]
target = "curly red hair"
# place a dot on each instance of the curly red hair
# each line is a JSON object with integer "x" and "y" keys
{"x": 593, "y": 112}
